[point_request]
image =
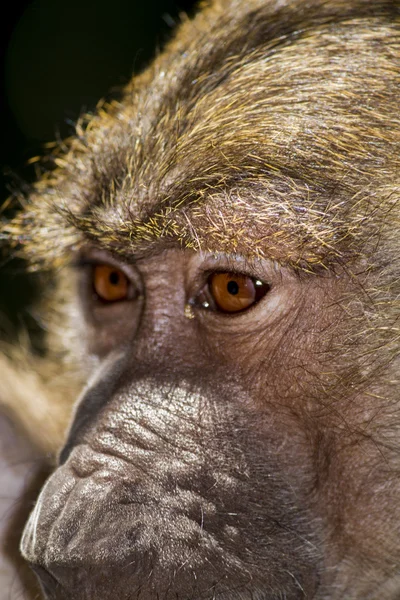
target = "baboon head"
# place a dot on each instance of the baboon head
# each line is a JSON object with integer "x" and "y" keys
{"x": 226, "y": 241}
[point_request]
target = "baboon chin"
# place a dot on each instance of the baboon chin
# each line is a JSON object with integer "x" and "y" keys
{"x": 221, "y": 248}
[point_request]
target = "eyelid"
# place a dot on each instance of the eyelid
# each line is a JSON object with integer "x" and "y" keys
{"x": 92, "y": 258}
{"x": 237, "y": 265}
{"x": 83, "y": 261}
{"x": 203, "y": 265}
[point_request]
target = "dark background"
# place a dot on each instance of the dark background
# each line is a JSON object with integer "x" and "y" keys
{"x": 59, "y": 57}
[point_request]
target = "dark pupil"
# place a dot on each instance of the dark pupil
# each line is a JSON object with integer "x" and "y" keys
{"x": 114, "y": 278}
{"x": 233, "y": 287}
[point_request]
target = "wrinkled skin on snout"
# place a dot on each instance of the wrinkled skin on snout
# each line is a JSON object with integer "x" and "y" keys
{"x": 158, "y": 494}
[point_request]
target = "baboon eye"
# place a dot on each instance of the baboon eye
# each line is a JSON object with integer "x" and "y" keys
{"x": 110, "y": 284}
{"x": 231, "y": 293}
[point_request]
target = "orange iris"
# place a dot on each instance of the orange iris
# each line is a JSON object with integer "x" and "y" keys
{"x": 110, "y": 284}
{"x": 234, "y": 293}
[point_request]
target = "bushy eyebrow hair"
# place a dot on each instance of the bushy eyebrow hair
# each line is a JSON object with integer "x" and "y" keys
{"x": 268, "y": 144}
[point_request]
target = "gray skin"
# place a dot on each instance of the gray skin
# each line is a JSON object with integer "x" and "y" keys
{"x": 169, "y": 461}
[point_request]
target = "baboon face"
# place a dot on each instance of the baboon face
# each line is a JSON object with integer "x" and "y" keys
{"x": 186, "y": 471}
{"x": 228, "y": 234}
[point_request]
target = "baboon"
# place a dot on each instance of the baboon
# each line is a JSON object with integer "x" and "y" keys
{"x": 221, "y": 254}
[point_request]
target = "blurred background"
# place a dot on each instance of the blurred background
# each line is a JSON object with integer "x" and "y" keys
{"x": 58, "y": 59}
